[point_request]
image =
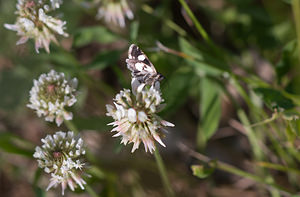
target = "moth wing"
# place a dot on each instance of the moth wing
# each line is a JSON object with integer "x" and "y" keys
{"x": 135, "y": 53}
{"x": 139, "y": 68}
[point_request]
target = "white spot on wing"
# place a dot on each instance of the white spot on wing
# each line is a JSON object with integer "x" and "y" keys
{"x": 148, "y": 69}
{"x": 139, "y": 66}
{"x": 141, "y": 57}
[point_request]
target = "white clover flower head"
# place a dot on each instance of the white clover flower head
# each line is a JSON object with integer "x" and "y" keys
{"x": 51, "y": 94}
{"x": 114, "y": 11}
{"x": 135, "y": 118}
{"x": 34, "y": 23}
{"x": 61, "y": 156}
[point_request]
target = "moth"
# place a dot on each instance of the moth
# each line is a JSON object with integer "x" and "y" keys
{"x": 140, "y": 66}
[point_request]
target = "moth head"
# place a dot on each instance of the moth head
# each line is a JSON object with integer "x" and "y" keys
{"x": 160, "y": 77}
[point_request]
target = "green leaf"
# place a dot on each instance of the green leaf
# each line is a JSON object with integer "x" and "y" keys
{"x": 294, "y": 127}
{"x": 287, "y": 60}
{"x": 63, "y": 59}
{"x": 176, "y": 89}
{"x": 202, "y": 171}
{"x": 288, "y": 2}
{"x": 103, "y": 60}
{"x": 201, "y": 60}
{"x": 99, "y": 34}
{"x": 37, "y": 176}
{"x": 274, "y": 98}
{"x": 96, "y": 172}
{"x": 290, "y": 133}
{"x": 290, "y": 115}
{"x": 210, "y": 107}
{"x": 13, "y": 144}
{"x": 134, "y": 30}
{"x": 39, "y": 192}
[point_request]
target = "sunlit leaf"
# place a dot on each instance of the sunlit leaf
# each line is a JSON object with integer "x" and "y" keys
{"x": 210, "y": 106}
{"x": 202, "y": 171}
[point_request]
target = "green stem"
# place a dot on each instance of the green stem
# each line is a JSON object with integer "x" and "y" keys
{"x": 168, "y": 22}
{"x": 234, "y": 170}
{"x": 196, "y": 22}
{"x": 296, "y": 11}
{"x": 163, "y": 174}
{"x": 217, "y": 50}
{"x": 91, "y": 191}
{"x": 278, "y": 167}
{"x": 71, "y": 126}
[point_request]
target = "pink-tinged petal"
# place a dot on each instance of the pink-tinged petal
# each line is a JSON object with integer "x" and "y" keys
{"x": 59, "y": 120}
{"x": 51, "y": 184}
{"x": 166, "y": 123}
{"x": 157, "y": 138}
{"x": 77, "y": 180}
{"x": 22, "y": 40}
{"x": 68, "y": 115}
{"x": 63, "y": 187}
{"x": 117, "y": 135}
{"x": 150, "y": 145}
{"x": 112, "y": 123}
{"x": 135, "y": 146}
{"x": 115, "y": 129}
{"x": 71, "y": 185}
{"x": 12, "y": 27}
{"x": 37, "y": 46}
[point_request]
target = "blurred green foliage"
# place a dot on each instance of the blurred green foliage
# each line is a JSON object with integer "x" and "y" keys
{"x": 246, "y": 79}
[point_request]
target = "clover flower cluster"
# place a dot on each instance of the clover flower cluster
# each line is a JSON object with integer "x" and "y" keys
{"x": 34, "y": 23}
{"x": 50, "y": 96}
{"x": 135, "y": 118}
{"x": 61, "y": 155}
{"x": 113, "y": 11}
{"x": 135, "y": 115}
